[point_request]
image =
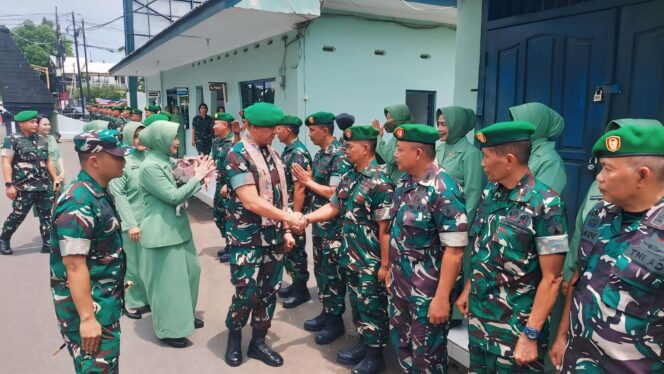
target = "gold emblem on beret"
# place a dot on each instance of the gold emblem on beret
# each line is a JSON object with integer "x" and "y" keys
{"x": 613, "y": 143}
{"x": 311, "y": 120}
{"x": 348, "y": 133}
{"x": 481, "y": 137}
{"x": 399, "y": 132}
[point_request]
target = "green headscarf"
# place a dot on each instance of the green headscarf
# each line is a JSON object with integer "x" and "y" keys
{"x": 95, "y": 125}
{"x": 159, "y": 137}
{"x": 129, "y": 131}
{"x": 459, "y": 122}
{"x": 400, "y": 114}
{"x": 549, "y": 125}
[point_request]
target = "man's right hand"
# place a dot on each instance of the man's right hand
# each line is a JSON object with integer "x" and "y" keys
{"x": 11, "y": 192}
{"x": 90, "y": 335}
{"x": 462, "y": 301}
{"x": 376, "y": 125}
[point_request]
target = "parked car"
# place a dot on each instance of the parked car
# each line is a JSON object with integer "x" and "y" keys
{"x": 72, "y": 111}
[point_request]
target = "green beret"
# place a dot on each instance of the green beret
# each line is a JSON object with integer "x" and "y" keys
{"x": 120, "y": 108}
{"x": 291, "y": 120}
{"x": 136, "y": 111}
{"x": 320, "y": 118}
{"x": 263, "y": 114}
{"x": 361, "y": 132}
{"x": 155, "y": 117}
{"x": 153, "y": 108}
{"x": 504, "y": 132}
{"x": 25, "y": 115}
{"x": 631, "y": 140}
{"x": 618, "y": 123}
{"x": 417, "y": 133}
{"x": 223, "y": 117}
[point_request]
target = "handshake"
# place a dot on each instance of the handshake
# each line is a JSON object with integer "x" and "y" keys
{"x": 297, "y": 222}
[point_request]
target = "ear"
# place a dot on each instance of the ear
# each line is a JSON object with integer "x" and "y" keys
{"x": 644, "y": 175}
{"x": 511, "y": 160}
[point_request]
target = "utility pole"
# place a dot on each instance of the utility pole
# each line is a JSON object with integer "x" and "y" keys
{"x": 85, "y": 51}
{"x": 128, "y": 9}
{"x": 78, "y": 65}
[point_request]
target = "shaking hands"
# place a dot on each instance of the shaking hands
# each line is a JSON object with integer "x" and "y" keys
{"x": 297, "y": 222}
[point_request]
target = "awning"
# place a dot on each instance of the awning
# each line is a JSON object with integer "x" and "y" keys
{"x": 214, "y": 27}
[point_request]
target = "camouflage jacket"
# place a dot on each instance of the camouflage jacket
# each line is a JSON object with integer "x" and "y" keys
{"x": 29, "y": 161}
{"x": 427, "y": 216}
{"x": 203, "y": 130}
{"x": 363, "y": 199}
{"x": 295, "y": 153}
{"x": 512, "y": 229}
{"x": 220, "y": 150}
{"x": 116, "y": 123}
{"x": 85, "y": 223}
{"x": 242, "y": 226}
{"x": 617, "y": 315}
{"x": 328, "y": 166}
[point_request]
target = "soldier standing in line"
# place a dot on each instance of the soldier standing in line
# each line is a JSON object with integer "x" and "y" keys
{"x": 28, "y": 173}
{"x": 88, "y": 260}
{"x": 520, "y": 232}
{"x": 616, "y": 322}
{"x": 221, "y": 147}
{"x": 295, "y": 261}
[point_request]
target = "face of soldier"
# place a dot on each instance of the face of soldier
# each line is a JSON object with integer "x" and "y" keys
{"x": 175, "y": 145}
{"x": 317, "y": 134}
{"x": 407, "y": 155}
{"x": 139, "y": 147}
{"x": 283, "y": 133}
{"x": 107, "y": 165}
{"x": 262, "y": 135}
{"x": 618, "y": 180}
{"x": 116, "y": 113}
{"x": 44, "y": 127}
{"x": 443, "y": 130}
{"x": 356, "y": 151}
{"x": 148, "y": 113}
{"x": 219, "y": 128}
{"x": 495, "y": 166}
{"x": 125, "y": 114}
{"x": 203, "y": 111}
{"x": 29, "y": 127}
{"x": 136, "y": 118}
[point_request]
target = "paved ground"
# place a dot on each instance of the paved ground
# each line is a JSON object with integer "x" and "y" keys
{"x": 29, "y": 335}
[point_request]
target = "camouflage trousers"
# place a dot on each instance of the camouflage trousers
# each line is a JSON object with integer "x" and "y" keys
{"x": 368, "y": 299}
{"x": 256, "y": 274}
{"x": 219, "y": 211}
{"x": 105, "y": 360}
{"x": 484, "y": 362}
{"x": 296, "y": 261}
{"x": 421, "y": 346}
{"x": 43, "y": 200}
{"x": 330, "y": 275}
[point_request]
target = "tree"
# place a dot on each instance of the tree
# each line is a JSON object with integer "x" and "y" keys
{"x": 38, "y": 42}
{"x": 110, "y": 92}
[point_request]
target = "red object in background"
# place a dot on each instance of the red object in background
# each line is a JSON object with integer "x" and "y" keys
{"x": 64, "y": 95}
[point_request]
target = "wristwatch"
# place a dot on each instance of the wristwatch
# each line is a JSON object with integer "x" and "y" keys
{"x": 531, "y": 333}
{"x": 8, "y": 184}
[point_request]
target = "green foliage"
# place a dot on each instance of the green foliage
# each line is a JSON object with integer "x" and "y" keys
{"x": 110, "y": 92}
{"x": 37, "y": 42}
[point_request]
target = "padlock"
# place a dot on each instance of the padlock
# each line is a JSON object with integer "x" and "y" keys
{"x": 599, "y": 95}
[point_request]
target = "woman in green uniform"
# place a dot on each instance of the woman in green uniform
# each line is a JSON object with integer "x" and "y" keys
{"x": 176, "y": 117}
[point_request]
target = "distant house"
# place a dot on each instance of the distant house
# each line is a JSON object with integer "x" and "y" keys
{"x": 98, "y": 72}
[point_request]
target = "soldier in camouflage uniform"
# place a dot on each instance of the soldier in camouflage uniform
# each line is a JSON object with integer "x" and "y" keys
{"x": 328, "y": 166}
{"x": 427, "y": 237}
{"x": 28, "y": 173}
{"x": 221, "y": 146}
{"x": 363, "y": 201}
{"x": 295, "y": 261}
{"x": 201, "y": 137}
{"x": 88, "y": 256}
{"x": 257, "y": 203}
{"x": 136, "y": 115}
{"x": 115, "y": 121}
{"x": 520, "y": 230}
{"x": 616, "y": 295}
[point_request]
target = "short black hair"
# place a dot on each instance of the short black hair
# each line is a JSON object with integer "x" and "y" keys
{"x": 329, "y": 127}
{"x": 294, "y": 129}
{"x": 372, "y": 144}
{"x": 220, "y": 108}
{"x": 203, "y": 105}
{"x": 429, "y": 150}
{"x": 520, "y": 150}
{"x": 83, "y": 157}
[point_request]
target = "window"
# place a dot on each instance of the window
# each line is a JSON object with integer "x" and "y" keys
{"x": 422, "y": 106}
{"x": 257, "y": 91}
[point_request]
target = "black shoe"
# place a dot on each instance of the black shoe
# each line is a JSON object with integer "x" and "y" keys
{"x": 456, "y": 323}
{"x": 133, "y": 315}
{"x": 352, "y": 356}
{"x": 224, "y": 257}
{"x": 46, "y": 247}
{"x": 198, "y": 323}
{"x": 175, "y": 342}
{"x": 5, "y": 248}
{"x": 233, "y": 355}
{"x": 372, "y": 363}
{"x": 334, "y": 328}
{"x": 221, "y": 252}
{"x": 317, "y": 323}
{"x": 285, "y": 292}
{"x": 260, "y": 351}
{"x": 299, "y": 295}
{"x": 144, "y": 309}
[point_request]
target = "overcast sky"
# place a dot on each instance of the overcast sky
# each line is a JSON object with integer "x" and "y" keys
{"x": 95, "y": 12}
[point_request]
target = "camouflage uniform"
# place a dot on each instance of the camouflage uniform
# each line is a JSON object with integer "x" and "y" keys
{"x": 31, "y": 179}
{"x": 85, "y": 223}
{"x": 296, "y": 261}
{"x": 220, "y": 150}
{"x": 257, "y": 252}
{"x": 427, "y": 216}
{"x": 363, "y": 199}
{"x": 203, "y": 132}
{"x": 328, "y": 166}
{"x": 512, "y": 229}
{"x": 617, "y": 312}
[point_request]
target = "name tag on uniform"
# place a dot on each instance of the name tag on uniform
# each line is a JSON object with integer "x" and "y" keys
{"x": 589, "y": 235}
{"x": 649, "y": 254}
{"x": 421, "y": 208}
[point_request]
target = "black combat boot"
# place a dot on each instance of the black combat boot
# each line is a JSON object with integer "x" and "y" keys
{"x": 46, "y": 247}
{"x": 233, "y": 355}
{"x": 259, "y": 350}
{"x": 371, "y": 363}
{"x": 299, "y": 295}
{"x": 5, "y": 248}
{"x": 285, "y": 292}
{"x": 224, "y": 255}
{"x": 334, "y": 328}
{"x": 353, "y": 355}
{"x": 317, "y": 323}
